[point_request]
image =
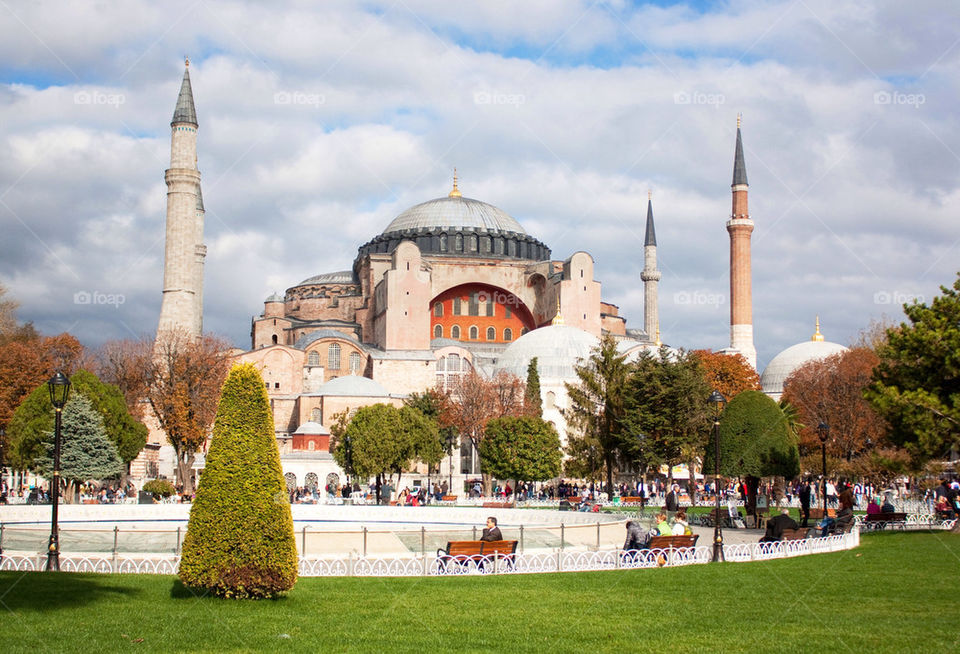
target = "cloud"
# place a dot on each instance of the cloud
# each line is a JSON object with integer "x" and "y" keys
{"x": 319, "y": 124}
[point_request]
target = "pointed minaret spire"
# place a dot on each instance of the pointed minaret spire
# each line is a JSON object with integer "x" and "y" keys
{"x": 739, "y": 168}
{"x": 740, "y": 227}
{"x": 650, "y": 276}
{"x": 817, "y": 336}
{"x": 557, "y": 319}
{"x": 185, "y": 112}
{"x": 455, "y": 193}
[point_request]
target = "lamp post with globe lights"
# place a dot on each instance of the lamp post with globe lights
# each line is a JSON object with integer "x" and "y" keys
{"x": 823, "y": 431}
{"x": 59, "y": 386}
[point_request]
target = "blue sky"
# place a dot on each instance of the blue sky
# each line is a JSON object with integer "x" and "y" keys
{"x": 563, "y": 114}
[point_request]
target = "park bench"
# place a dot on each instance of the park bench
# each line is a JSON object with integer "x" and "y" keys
{"x": 449, "y": 498}
{"x": 795, "y": 534}
{"x": 881, "y": 520}
{"x": 479, "y": 552}
{"x": 666, "y": 546}
{"x": 498, "y": 505}
{"x": 817, "y": 514}
{"x": 632, "y": 500}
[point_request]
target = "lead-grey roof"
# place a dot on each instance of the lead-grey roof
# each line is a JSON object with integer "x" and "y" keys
{"x": 455, "y": 212}
{"x": 275, "y": 297}
{"x": 307, "y": 339}
{"x": 651, "y": 236}
{"x": 339, "y": 277}
{"x": 185, "y": 111}
{"x": 352, "y": 386}
{"x": 739, "y": 168}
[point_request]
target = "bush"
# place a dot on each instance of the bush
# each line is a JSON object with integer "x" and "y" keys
{"x": 159, "y": 488}
{"x": 240, "y": 540}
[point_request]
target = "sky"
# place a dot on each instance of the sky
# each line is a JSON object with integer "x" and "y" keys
{"x": 320, "y": 122}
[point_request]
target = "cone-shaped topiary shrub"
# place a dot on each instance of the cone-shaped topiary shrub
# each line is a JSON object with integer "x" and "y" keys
{"x": 240, "y": 540}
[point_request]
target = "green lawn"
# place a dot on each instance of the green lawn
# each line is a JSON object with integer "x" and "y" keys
{"x": 881, "y": 597}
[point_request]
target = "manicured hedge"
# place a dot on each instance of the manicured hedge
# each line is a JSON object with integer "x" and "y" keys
{"x": 240, "y": 540}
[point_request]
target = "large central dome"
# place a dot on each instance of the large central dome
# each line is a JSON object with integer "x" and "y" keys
{"x": 455, "y": 213}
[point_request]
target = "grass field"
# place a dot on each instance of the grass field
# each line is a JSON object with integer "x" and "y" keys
{"x": 884, "y": 596}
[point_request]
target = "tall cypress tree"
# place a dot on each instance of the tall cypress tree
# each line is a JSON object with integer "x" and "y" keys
{"x": 240, "y": 540}
{"x": 531, "y": 397}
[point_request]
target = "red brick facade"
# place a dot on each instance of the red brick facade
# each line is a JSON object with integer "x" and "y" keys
{"x": 479, "y": 313}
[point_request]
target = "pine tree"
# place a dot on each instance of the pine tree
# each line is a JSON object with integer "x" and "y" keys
{"x": 532, "y": 393}
{"x": 240, "y": 540}
{"x": 85, "y": 450}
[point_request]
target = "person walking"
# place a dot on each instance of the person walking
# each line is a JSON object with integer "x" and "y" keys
{"x": 804, "y": 495}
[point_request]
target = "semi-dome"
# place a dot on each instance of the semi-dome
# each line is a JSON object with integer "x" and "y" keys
{"x": 558, "y": 348}
{"x": 455, "y": 213}
{"x": 352, "y": 386}
{"x": 781, "y": 366}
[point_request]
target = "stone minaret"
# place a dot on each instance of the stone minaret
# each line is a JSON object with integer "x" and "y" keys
{"x": 740, "y": 227}
{"x": 650, "y": 277}
{"x": 182, "y": 306}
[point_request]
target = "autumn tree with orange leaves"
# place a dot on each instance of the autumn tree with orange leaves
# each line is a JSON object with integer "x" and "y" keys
{"x": 730, "y": 374}
{"x": 831, "y": 391}
{"x": 476, "y": 401}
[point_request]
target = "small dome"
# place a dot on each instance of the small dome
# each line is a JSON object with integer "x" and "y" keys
{"x": 352, "y": 386}
{"x": 782, "y": 365}
{"x": 339, "y": 277}
{"x": 455, "y": 213}
{"x": 276, "y": 297}
{"x": 558, "y": 349}
{"x": 312, "y": 428}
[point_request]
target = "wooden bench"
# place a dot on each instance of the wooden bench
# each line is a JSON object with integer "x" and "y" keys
{"x": 795, "y": 534}
{"x": 673, "y": 542}
{"x": 817, "y": 514}
{"x": 449, "y": 498}
{"x": 633, "y": 500}
{"x": 881, "y": 520}
{"x": 480, "y": 552}
{"x": 498, "y": 505}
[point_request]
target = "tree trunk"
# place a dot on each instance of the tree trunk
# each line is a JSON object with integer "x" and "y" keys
{"x": 184, "y": 466}
{"x": 753, "y": 484}
{"x": 379, "y": 482}
{"x": 609, "y": 474}
{"x": 692, "y": 482}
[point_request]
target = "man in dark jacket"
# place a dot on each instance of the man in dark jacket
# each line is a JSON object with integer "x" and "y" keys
{"x": 775, "y": 526}
{"x": 672, "y": 502}
{"x": 492, "y": 532}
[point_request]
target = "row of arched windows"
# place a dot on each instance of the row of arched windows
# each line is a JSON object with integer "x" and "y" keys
{"x": 333, "y": 359}
{"x": 474, "y": 333}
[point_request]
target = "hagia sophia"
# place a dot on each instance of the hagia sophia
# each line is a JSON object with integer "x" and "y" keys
{"x": 450, "y": 285}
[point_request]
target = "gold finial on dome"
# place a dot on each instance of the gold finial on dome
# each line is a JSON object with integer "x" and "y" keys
{"x": 557, "y": 319}
{"x": 818, "y": 337}
{"x": 455, "y": 193}
{"x": 659, "y": 342}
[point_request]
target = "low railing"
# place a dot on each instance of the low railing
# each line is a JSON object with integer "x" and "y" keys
{"x": 414, "y": 566}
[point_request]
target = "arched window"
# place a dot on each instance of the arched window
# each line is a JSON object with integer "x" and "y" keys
{"x": 291, "y": 480}
{"x": 438, "y": 331}
{"x": 274, "y": 339}
{"x": 441, "y": 364}
{"x": 333, "y": 356}
{"x": 310, "y": 481}
{"x": 458, "y": 243}
{"x": 453, "y": 363}
{"x": 313, "y": 359}
{"x": 355, "y": 360}
{"x": 551, "y": 399}
{"x": 474, "y": 333}
{"x": 438, "y": 309}
{"x": 316, "y": 415}
{"x": 508, "y": 334}
{"x": 523, "y": 331}
{"x": 473, "y": 242}
{"x": 457, "y": 306}
{"x": 311, "y": 445}
{"x": 443, "y": 242}
{"x": 455, "y": 331}
{"x": 491, "y": 334}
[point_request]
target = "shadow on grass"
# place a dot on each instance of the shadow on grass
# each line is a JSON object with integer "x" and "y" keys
{"x": 51, "y": 591}
{"x": 181, "y": 592}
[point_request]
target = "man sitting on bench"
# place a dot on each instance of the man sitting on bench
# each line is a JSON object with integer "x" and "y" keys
{"x": 492, "y": 532}
{"x": 775, "y": 527}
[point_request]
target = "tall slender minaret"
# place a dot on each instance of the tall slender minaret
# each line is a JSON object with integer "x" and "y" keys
{"x": 182, "y": 307}
{"x": 740, "y": 227}
{"x": 650, "y": 276}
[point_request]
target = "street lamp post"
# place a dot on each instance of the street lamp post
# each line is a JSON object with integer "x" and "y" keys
{"x": 718, "y": 402}
{"x": 450, "y": 462}
{"x": 823, "y": 430}
{"x": 59, "y": 386}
